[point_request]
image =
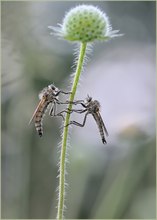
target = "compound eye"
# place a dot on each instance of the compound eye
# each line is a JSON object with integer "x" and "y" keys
{"x": 52, "y": 87}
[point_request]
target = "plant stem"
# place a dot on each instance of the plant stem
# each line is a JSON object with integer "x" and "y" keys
{"x": 65, "y": 133}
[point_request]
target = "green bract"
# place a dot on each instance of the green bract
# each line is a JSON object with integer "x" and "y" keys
{"x": 85, "y": 23}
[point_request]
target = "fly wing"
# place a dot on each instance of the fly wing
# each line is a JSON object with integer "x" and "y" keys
{"x": 36, "y": 110}
{"x": 106, "y": 132}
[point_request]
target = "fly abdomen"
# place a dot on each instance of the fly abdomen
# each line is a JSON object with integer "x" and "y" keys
{"x": 38, "y": 118}
{"x": 39, "y": 125}
{"x": 100, "y": 127}
{"x": 39, "y": 128}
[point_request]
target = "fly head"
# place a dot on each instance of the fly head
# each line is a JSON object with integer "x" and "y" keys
{"x": 53, "y": 90}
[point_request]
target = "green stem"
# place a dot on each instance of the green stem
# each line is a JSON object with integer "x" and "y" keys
{"x": 65, "y": 133}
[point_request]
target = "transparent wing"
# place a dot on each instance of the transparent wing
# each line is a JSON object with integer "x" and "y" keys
{"x": 36, "y": 110}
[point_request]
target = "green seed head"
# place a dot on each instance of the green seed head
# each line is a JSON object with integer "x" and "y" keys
{"x": 85, "y": 23}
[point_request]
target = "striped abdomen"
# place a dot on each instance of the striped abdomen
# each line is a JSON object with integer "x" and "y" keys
{"x": 39, "y": 117}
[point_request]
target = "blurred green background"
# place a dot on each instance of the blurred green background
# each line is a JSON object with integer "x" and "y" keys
{"x": 116, "y": 180}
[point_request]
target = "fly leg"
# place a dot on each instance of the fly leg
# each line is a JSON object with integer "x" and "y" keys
{"x": 68, "y": 111}
{"x": 70, "y": 102}
{"x": 77, "y": 123}
{"x": 63, "y": 92}
{"x": 76, "y": 110}
{"x": 53, "y": 111}
{"x": 81, "y": 102}
{"x": 77, "y": 102}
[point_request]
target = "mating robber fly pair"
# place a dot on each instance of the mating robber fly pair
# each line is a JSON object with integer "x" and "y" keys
{"x": 49, "y": 96}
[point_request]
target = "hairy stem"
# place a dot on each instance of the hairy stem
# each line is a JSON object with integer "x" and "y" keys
{"x": 65, "y": 133}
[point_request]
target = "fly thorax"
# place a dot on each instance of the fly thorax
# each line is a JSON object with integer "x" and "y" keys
{"x": 50, "y": 97}
{"x": 94, "y": 107}
{"x": 43, "y": 93}
{"x": 97, "y": 105}
{"x": 91, "y": 108}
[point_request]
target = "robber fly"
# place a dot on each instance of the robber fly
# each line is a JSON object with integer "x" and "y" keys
{"x": 90, "y": 107}
{"x": 49, "y": 95}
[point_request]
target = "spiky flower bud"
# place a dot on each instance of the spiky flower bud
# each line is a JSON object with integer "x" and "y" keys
{"x": 85, "y": 23}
